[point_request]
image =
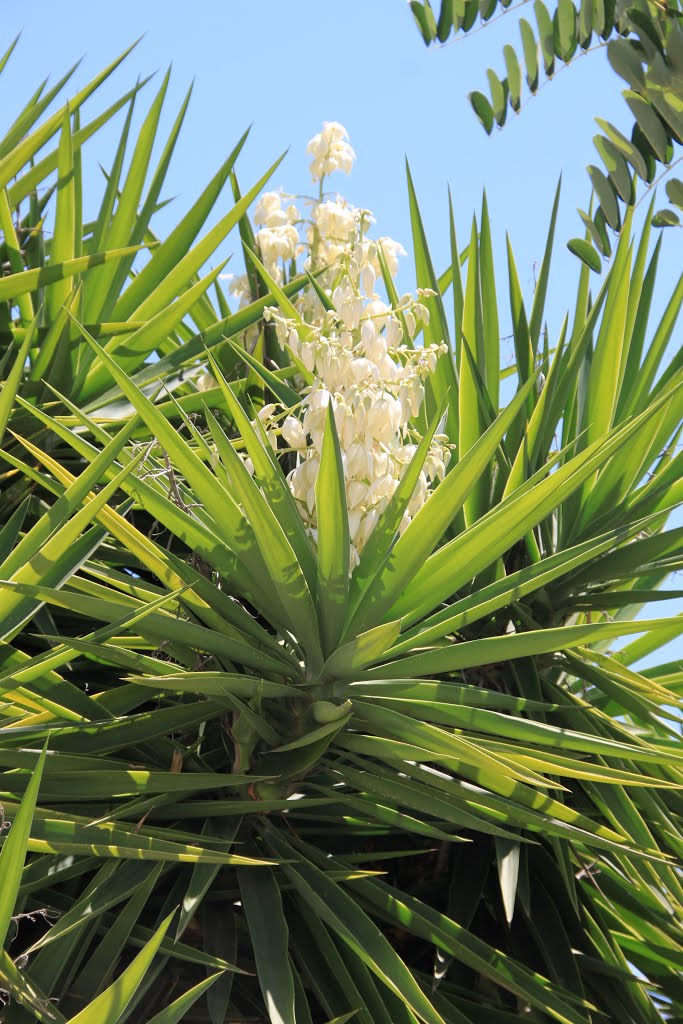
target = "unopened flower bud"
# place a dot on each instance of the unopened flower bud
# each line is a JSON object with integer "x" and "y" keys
{"x": 394, "y": 333}
{"x": 293, "y": 433}
{"x": 368, "y": 279}
{"x": 410, "y": 323}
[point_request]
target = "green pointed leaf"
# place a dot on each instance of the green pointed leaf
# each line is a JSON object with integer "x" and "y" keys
{"x": 14, "y": 848}
{"x": 30, "y": 280}
{"x": 270, "y": 938}
{"x": 12, "y": 382}
{"x": 64, "y": 242}
{"x": 485, "y": 652}
{"x": 345, "y": 919}
{"x": 26, "y": 149}
{"x": 333, "y": 537}
{"x": 364, "y": 650}
{"x": 176, "y": 1011}
{"x": 111, "y": 1004}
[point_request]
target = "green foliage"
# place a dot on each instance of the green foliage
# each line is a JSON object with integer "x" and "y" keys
{"x": 242, "y": 785}
{"x": 644, "y": 43}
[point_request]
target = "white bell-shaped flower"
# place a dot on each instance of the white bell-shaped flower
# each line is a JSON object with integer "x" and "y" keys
{"x": 293, "y": 433}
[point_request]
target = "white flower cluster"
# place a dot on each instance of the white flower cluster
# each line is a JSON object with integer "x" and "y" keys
{"x": 330, "y": 150}
{"x": 375, "y": 384}
{"x": 331, "y": 231}
{"x": 277, "y": 239}
{"x": 336, "y": 229}
{"x": 355, "y": 353}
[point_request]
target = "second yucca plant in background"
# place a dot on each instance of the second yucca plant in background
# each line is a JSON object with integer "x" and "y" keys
{"x": 317, "y": 635}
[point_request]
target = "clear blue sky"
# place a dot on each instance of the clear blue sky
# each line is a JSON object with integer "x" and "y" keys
{"x": 286, "y": 67}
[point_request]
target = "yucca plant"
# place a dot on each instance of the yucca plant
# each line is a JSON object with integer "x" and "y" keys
{"x": 61, "y": 264}
{"x": 307, "y": 663}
